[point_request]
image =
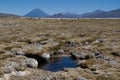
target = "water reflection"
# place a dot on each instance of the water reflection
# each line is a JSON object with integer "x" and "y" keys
{"x": 58, "y": 63}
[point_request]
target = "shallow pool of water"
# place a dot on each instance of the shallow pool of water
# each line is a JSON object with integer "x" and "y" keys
{"x": 58, "y": 63}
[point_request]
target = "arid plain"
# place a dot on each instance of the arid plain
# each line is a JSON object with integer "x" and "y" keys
{"x": 94, "y": 44}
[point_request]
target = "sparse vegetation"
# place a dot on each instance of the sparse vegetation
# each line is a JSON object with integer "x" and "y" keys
{"x": 57, "y": 47}
{"x": 33, "y": 36}
{"x": 5, "y": 56}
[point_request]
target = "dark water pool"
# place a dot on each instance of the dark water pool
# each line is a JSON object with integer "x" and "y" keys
{"x": 58, "y": 63}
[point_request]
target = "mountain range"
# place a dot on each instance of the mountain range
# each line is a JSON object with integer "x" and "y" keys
{"x": 102, "y": 14}
{"x": 95, "y": 14}
{"x": 8, "y": 15}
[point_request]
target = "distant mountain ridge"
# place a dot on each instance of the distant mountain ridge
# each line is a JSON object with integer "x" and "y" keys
{"x": 36, "y": 13}
{"x": 8, "y": 15}
{"x": 58, "y": 15}
{"x": 94, "y": 14}
{"x": 102, "y": 14}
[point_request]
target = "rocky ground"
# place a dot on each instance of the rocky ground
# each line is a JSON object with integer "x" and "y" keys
{"x": 93, "y": 43}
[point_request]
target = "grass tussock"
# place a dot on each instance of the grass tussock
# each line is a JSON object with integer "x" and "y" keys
{"x": 5, "y": 56}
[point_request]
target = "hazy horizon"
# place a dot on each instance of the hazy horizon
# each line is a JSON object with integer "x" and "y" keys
{"x": 55, "y": 6}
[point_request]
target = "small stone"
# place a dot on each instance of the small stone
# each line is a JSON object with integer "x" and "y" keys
{"x": 93, "y": 68}
{"x": 22, "y": 73}
{"x": 32, "y": 63}
{"x": 13, "y": 73}
{"x": 75, "y": 55}
{"x": 45, "y": 56}
{"x": 89, "y": 55}
{"x": 112, "y": 62}
{"x": 82, "y": 34}
{"x": 97, "y": 53}
{"x": 99, "y": 40}
{"x": 7, "y": 76}
{"x": 96, "y": 72}
{"x": 71, "y": 43}
{"x": 83, "y": 64}
{"x": 87, "y": 43}
{"x": 20, "y": 53}
{"x": 61, "y": 51}
{"x": 82, "y": 57}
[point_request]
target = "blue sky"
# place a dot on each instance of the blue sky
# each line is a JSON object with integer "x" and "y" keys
{"x": 21, "y": 7}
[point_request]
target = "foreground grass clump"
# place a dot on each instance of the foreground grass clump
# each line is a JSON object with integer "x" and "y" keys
{"x": 5, "y": 56}
{"x": 56, "y": 47}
